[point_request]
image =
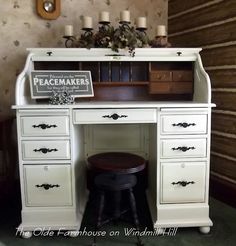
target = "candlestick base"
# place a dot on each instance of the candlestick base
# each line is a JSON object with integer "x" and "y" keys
{"x": 124, "y": 22}
{"x": 87, "y": 29}
{"x": 104, "y": 22}
{"x": 160, "y": 42}
{"x": 141, "y": 29}
{"x": 69, "y": 42}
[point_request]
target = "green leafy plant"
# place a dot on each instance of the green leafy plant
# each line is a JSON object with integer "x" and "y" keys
{"x": 123, "y": 37}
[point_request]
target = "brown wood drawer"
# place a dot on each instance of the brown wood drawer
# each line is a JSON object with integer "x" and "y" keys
{"x": 160, "y": 76}
{"x": 170, "y": 88}
{"x": 182, "y": 76}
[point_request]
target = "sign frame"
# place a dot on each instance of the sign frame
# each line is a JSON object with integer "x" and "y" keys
{"x": 79, "y": 76}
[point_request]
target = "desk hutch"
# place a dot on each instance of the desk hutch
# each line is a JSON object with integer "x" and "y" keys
{"x": 165, "y": 96}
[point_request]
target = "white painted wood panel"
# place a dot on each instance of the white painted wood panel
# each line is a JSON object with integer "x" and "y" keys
{"x": 45, "y": 150}
{"x": 48, "y": 174}
{"x": 184, "y": 124}
{"x": 180, "y": 148}
{"x": 44, "y": 126}
{"x": 183, "y": 171}
{"x": 114, "y": 116}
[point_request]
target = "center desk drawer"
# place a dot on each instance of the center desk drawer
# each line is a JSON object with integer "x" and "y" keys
{"x": 178, "y": 148}
{"x": 114, "y": 116}
{"x": 44, "y": 126}
{"x": 184, "y": 124}
{"x": 40, "y": 150}
{"x": 48, "y": 185}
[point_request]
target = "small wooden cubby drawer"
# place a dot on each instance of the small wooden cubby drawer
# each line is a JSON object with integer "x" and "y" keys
{"x": 182, "y": 76}
{"x": 160, "y": 76}
{"x": 170, "y": 82}
{"x": 170, "y": 87}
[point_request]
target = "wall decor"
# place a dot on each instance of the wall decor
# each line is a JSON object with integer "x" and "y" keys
{"x": 48, "y": 9}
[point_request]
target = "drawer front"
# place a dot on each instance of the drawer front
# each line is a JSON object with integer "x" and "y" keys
{"x": 184, "y": 124}
{"x": 48, "y": 185}
{"x": 179, "y": 148}
{"x": 44, "y": 126}
{"x": 114, "y": 116}
{"x": 160, "y": 76}
{"x": 182, "y": 76}
{"x": 45, "y": 150}
{"x": 170, "y": 88}
{"x": 183, "y": 182}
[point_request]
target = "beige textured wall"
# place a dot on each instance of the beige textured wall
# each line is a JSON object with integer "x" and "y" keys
{"x": 21, "y": 27}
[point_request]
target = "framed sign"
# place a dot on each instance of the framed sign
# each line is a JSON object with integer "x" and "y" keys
{"x": 77, "y": 83}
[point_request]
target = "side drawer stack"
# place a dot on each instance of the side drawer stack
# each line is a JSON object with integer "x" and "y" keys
{"x": 183, "y": 156}
{"x": 44, "y": 141}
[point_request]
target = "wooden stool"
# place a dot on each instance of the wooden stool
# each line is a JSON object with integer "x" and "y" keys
{"x": 116, "y": 178}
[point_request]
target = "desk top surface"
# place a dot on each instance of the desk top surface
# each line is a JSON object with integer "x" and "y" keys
{"x": 108, "y": 104}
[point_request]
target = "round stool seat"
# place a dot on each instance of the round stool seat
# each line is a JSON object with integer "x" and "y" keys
{"x": 117, "y": 162}
{"x": 110, "y": 182}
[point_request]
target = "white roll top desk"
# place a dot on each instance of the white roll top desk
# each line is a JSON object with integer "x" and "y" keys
{"x": 165, "y": 95}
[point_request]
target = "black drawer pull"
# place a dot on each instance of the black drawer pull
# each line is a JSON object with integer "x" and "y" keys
{"x": 47, "y": 186}
{"x": 44, "y": 126}
{"x": 183, "y": 148}
{"x": 45, "y": 150}
{"x": 184, "y": 124}
{"x": 115, "y": 116}
{"x": 183, "y": 183}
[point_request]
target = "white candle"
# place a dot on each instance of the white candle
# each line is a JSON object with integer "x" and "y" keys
{"x": 125, "y": 15}
{"x": 161, "y": 30}
{"x": 104, "y": 16}
{"x": 141, "y": 22}
{"x": 87, "y": 22}
{"x": 68, "y": 30}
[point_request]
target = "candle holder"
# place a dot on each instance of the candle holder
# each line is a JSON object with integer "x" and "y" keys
{"x": 160, "y": 42}
{"x": 87, "y": 30}
{"x": 142, "y": 37}
{"x": 103, "y": 38}
{"x": 86, "y": 39}
{"x": 125, "y": 24}
{"x": 69, "y": 41}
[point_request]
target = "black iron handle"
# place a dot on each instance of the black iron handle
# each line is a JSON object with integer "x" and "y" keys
{"x": 47, "y": 186}
{"x": 115, "y": 116}
{"x": 179, "y": 53}
{"x": 183, "y": 183}
{"x": 184, "y": 124}
{"x": 49, "y": 53}
{"x": 183, "y": 148}
{"x": 45, "y": 150}
{"x": 44, "y": 126}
